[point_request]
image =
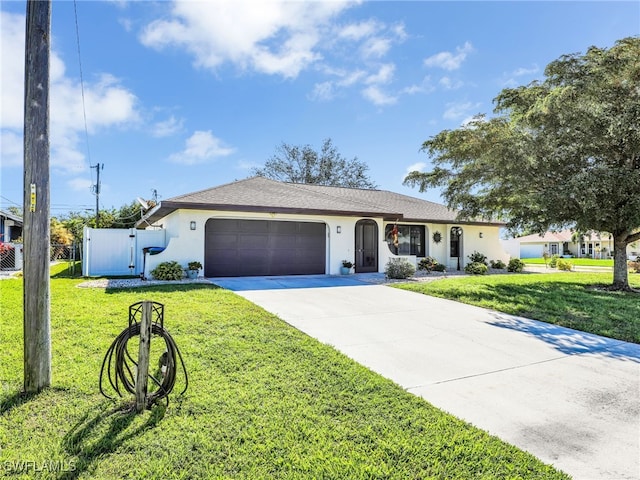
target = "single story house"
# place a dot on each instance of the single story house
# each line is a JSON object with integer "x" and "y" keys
{"x": 259, "y": 226}
{"x": 567, "y": 243}
{"x": 10, "y": 230}
{"x": 10, "y": 227}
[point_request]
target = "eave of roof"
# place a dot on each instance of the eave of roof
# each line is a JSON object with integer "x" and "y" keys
{"x": 11, "y": 216}
{"x": 166, "y": 207}
{"x": 259, "y": 194}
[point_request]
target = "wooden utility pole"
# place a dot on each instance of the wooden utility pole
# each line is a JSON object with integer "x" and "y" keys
{"x": 96, "y": 191}
{"x": 37, "y": 328}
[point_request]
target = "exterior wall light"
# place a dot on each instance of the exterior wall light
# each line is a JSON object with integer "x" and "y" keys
{"x": 192, "y": 225}
{"x": 338, "y": 229}
{"x": 480, "y": 234}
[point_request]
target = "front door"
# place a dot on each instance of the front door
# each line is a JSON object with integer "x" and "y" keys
{"x": 366, "y": 246}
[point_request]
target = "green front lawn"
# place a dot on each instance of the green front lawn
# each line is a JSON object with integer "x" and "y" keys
{"x": 567, "y": 299}
{"x": 264, "y": 401}
{"x": 583, "y": 262}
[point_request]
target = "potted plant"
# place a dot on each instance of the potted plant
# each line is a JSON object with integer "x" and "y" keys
{"x": 193, "y": 268}
{"x": 346, "y": 267}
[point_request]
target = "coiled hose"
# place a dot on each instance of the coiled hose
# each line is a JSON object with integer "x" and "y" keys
{"x": 120, "y": 365}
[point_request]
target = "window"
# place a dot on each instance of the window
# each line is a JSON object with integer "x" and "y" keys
{"x": 411, "y": 240}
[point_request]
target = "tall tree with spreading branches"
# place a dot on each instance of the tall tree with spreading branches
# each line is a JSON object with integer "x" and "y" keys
{"x": 562, "y": 152}
{"x": 302, "y": 164}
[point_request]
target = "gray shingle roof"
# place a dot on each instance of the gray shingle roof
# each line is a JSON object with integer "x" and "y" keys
{"x": 264, "y": 195}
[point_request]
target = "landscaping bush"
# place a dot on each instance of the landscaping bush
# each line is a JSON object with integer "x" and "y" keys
{"x": 476, "y": 268}
{"x": 553, "y": 263}
{"x": 439, "y": 267}
{"x": 634, "y": 266}
{"x": 564, "y": 265}
{"x": 498, "y": 264}
{"x": 399, "y": 268}
{"x": 477, "y": 257}
{"x": 168, "y": 271}
{"x": 427, "y": 263}
{"x": 515, "y": 265}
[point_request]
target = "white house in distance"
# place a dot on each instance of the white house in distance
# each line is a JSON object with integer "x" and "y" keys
{"x": 259, "y": 226}
{"x": 565, "y": 242}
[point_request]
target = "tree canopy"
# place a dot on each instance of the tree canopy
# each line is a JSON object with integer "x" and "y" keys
{"x": 562, "y": 152}
{"x": 124, "y": 217}
{"x": 302, "y": 164}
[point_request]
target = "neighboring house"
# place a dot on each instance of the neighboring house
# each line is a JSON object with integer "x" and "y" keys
{"x": 10, "y": 227}
{"x": 10, "y": 230}
{"x": 566, "y": 242}
{"x": 260, "y": 226}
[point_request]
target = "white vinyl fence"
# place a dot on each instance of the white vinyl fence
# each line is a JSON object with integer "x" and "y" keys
{"x": 117, "y": 251}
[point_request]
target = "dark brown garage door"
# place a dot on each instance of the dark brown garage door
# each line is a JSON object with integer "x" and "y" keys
{"x": 238, "y": 248}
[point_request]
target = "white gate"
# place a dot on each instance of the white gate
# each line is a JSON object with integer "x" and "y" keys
{"x": 114, "y": 252}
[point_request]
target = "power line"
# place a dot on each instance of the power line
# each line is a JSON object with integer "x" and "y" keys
{"x": 11, "y": 201}
{"x": 84, "y": 111}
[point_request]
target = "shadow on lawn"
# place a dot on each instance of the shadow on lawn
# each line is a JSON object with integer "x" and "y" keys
{"x": 86, "y": 442}
{"x": 19, "y": 398}
{"x": 15, "y": 400}
{"x": 569, "y": 341}
{"x": 164, "y": 288}
{"x": 570, "y": 304}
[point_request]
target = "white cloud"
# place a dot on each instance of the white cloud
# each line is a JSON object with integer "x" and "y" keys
{"x": 376, "y": 47}
{"x": 248, "y": 165}
{"x": 526, "y": 71}
{"x": 107, "y": 103}
{"x": 512, "y": 77}
{"x": 424, "y": 87}
{"x": 126, "y": 23}
{"x": 80, "y": 184}
{"x": 167, "y": 127}
{"x": 376, "y": 96}
{"x": 457, "y": 110}
{"x": 200, "y": 148}
{"x": 466, "y": 121}
{"x": 415, "y": 167}
{"x": 12, "y": 62}
{"x": 11, "y": 148}
{"x": 383, "y": 75}
{"x": 450, "y": 84}
{"x": 273, "y": 37}
{"x": 358, "y": 31}
{"x": 352, "y": 78}
{"x": 399, "y": 31}
{"x": 330, "y": 89}
{"x": 448, "y": 60}
{"x": 323, "y": 91}
{"x": 284, "y": 38}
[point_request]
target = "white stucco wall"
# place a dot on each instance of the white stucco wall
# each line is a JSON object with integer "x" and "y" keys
{"x": 185, "y": 245}
{"x": 511, "y": 246}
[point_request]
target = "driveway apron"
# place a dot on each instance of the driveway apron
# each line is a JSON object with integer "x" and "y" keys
{"x": 569, "y": 398}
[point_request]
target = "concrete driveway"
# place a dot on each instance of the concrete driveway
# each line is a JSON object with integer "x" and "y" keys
{"x": 569, "y": 398}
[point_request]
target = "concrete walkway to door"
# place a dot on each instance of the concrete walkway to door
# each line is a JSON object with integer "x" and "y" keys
{"x": 569, "y": 398}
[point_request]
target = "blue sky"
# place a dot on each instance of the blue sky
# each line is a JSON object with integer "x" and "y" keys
{"x": 183, "y": 96}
